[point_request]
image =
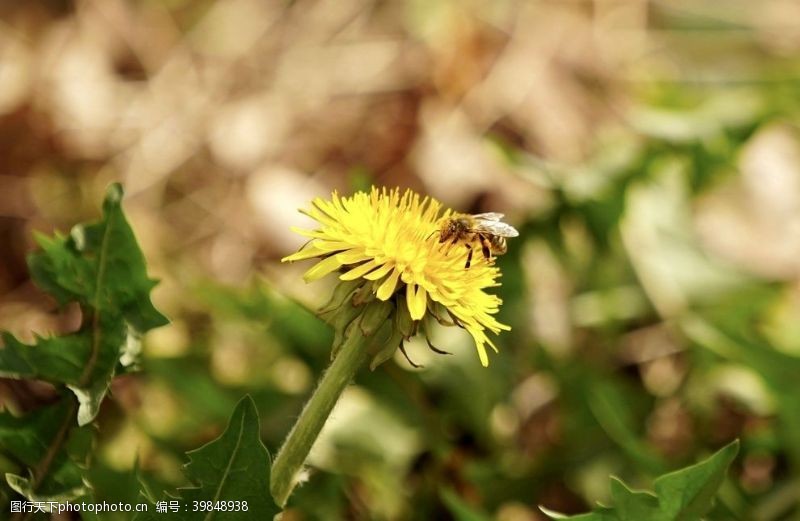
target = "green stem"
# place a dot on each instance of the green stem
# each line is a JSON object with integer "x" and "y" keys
{"x": 295, "y": 449}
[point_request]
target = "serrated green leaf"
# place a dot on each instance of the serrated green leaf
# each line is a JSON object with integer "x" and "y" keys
{"x": 688, "y": 493}
{"x": 46, "y": 442}
{"x": 683, "y": 495}
{"x": 234, "y": 467}
{"x": 55, "y": 359}
{"x": 84, "y": 361}
{"x": 101, "y": 267}
{"x": 633, "y": 505}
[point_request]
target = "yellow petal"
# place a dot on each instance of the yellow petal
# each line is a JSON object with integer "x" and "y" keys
{"x": 312, "y": 234}
{"x": 380, "y": 272}
{"x": 322, "y": 268}
{"x": 331, "y": 246}
{"x": 358, "y": 271}
{"x": 482, "y": 355}
{"x": 387, "y": 288}
{"x": 320, "y": 217}
{"x": 353, "y": 256}
{"x": 305, "y": 253}
{"x": 417, "y": 300}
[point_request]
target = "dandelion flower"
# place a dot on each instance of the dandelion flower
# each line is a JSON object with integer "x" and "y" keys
{"x": 386, "y": 244}
{"x": 395, "y": 274}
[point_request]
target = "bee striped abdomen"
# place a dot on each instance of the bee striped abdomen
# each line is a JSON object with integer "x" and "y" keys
{"x": 499, "y": 245}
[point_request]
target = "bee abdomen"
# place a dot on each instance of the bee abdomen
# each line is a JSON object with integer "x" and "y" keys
{"x": 499, "y": 245}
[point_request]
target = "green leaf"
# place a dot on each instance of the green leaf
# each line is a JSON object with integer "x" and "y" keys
{"x": 46, "y": 442}
{"x": 55, "y": 359}
{"x": 84, "y": 361}
{"x": 101, "y": 267}
{"x": 688, "y": 493}
{"x": 234, "y": 467}
{"x": 683, "y": 495}
{"x": 633, "y": 504}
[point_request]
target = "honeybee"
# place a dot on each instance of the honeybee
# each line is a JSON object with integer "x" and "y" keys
{"x": 485, "y": 229}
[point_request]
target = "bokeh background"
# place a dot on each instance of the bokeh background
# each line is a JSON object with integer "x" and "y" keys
{"x": 648, "y": 151}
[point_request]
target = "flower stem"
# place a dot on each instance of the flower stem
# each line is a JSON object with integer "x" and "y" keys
{"x": 295, "y": 449}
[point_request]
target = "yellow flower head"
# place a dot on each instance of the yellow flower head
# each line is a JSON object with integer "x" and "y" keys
{"x": 391, "y": 242}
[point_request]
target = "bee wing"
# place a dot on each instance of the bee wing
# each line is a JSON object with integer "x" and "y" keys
{"x": 488, "y": 216}
{"x": 498, "y": 228}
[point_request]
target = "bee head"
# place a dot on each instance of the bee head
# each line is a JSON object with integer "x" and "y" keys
{"x": 453, "y": 227}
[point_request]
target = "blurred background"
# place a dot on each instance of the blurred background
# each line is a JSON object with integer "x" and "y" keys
{"x": 648, "y": 151}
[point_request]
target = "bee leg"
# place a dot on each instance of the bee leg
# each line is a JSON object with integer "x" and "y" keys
{"x": 469, "y": 257}
{"x": 486, "y": 248}
{"x": 451, "y": 243}
{"x": 403, "y": 350}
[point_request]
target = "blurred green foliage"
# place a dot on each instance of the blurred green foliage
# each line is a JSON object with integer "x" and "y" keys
{"x": 653, "y": 291}
{"x": 666, "y": 352}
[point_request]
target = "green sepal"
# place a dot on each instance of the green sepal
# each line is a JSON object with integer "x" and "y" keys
{"x": 402, "y": 328}
{"x": 342, "y": 296}
{"x": 344, "y": 324}
{"x": 363, "y": 295}
{"x": 403, "y": 321}
{"x": 375, "y": 316}
{"x": 385, "y": 347}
